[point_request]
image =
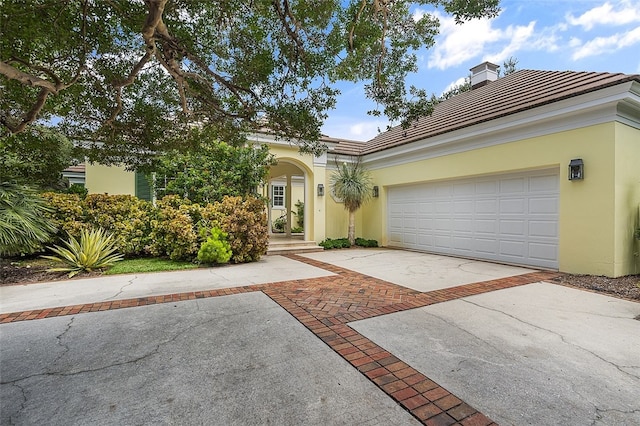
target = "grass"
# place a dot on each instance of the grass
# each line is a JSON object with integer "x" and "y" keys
{"x": 131, "y": 266}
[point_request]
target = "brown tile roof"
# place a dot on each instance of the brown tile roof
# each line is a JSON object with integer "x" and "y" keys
{"x": 346, "y": 147}
{"x": 80, "y": 168}
{"x": 520, "y": 91}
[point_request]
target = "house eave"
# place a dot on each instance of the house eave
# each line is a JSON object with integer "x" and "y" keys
{"x": 617, "y": 103}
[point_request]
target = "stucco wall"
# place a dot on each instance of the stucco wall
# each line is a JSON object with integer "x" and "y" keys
{"x": 627, "y": 199}
{"x": 114, "y": 180}
{"x": 590, "y": 211}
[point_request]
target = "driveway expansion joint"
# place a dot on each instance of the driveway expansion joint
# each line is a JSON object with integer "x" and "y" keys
{"x": 325, "y": 306}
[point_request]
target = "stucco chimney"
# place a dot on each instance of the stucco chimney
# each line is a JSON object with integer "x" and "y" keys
{"x": 483, "y": 74}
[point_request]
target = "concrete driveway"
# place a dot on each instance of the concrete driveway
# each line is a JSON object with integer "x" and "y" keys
{"x": 340, "y": 337}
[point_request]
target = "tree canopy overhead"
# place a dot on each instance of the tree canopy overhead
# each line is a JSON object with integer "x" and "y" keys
{"x": 132, "y": 75}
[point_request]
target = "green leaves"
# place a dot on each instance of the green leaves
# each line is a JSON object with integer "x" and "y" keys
{"x": 94, "y": 250}
{"x": 131, "y": 78}
{"x": 36, "y": 156}
{"x": 216, "y": 249}
{"x": 212, "y": 170}
{"x": 352, "y": 184}
{"x": 23, "y": 223}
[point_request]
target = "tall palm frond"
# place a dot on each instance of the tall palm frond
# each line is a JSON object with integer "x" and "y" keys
{"x": 352, "y": 184}
{"x": 23, "y": 225}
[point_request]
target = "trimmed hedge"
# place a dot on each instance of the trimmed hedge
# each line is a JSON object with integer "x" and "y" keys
{"x": 338, "y": 243}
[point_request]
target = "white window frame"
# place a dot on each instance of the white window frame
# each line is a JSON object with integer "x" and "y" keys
{"x": 278, "y": 200}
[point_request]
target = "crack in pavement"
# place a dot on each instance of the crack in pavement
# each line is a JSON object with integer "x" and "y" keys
{"x": 562, "y": 338}
{"x": 22, "y": 404}
{"x": 600, "y": 411}
{"x": 130, "y": 282}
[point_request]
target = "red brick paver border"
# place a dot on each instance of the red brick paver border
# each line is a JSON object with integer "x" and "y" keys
{"x": 324, "y": 306}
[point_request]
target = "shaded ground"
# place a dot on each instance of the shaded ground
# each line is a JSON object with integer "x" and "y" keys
{"x": 34, "y": 271}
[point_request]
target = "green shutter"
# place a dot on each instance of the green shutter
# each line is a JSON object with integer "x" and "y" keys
{"x": 143, "y": 189}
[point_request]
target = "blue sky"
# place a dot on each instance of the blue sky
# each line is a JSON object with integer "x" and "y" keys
{"x": 558, "y": 35}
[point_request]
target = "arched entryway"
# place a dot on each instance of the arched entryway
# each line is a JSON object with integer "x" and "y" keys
{"x": 289, "y": 200}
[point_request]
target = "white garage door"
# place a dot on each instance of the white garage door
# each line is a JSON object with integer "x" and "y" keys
{"x": 507, "y": 218}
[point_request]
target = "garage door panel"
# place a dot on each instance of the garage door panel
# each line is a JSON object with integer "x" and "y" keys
{"x": 543, "y": 183}
{"x": 443, "y": 190}
{"x": 409, "y": 238}
{"x": 444, "y": 207}
{"x": 462, "y": 189}
{"x": 546, "y": 205}
{"x": 486, "y": 246}
{"x": 513, "y": 249}
{"x": 543, "y": 252}
{"x": 538, "y": 228}
{"x": 426, "y": 208}
{"x": 463, "y": 225}
{"x": 511, "y": 218}
{"x": 425, "y": 240}
{"x": 513, "y": 205}
{"x": 488, "y": 226}
{"x": 484, "y": 206}
{"x": 486, "y": 187}
{"x": 512, "y": 185}
{"x": 512, "y": 227}
{"x": 443, "y": 242}
{"x": 442, "y": 224}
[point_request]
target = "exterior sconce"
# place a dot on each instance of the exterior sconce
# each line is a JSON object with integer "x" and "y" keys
{"x": 320, "y": 190}
{"x": 376, "y": 191}
{"x": 576, "y": 169}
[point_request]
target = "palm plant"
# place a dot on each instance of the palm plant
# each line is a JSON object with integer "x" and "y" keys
{"x": 351, "y": 183}
{"x": 95, "y": 250}
{"x": 23, "y": 224}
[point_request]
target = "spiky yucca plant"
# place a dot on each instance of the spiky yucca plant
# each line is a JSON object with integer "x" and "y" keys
{"x": 95, "y": 250}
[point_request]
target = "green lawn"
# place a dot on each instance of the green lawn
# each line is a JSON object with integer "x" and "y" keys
{"x": 130, "y": 266}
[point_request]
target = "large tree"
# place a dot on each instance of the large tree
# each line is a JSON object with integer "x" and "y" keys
{"x": 129, "y": 76}
{"x": 37, "y": 156}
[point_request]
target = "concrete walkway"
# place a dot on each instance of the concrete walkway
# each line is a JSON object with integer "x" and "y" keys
{"x": 326, "y": 338}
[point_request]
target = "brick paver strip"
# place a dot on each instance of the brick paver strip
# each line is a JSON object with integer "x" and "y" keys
{"x": 324, "y": 306}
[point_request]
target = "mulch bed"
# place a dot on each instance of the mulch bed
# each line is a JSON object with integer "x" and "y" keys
{"x": 12, "y": 273}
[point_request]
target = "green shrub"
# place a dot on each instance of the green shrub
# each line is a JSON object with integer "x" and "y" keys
{"x": 173, "y": 231}
{"x": 280, "y": 223}
{"x": 245, "y": 220}
{"x": 67, "y": 214}
{"x": 362, "y": 242}
{"x": 216, "y": 249}
{"x": 329, "y": 243}
{"x": 24, "y": 221}
{"x": 126, "y": 217}
{"x": 76, "y": 188}
{"x": 94, "y": 250}
{"x": 300, "y": 214}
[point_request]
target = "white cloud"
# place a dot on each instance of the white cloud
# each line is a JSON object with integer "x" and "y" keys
{"x": 453, "y": 84}
{"x": 518, "y": 37}
{"x": 458, "y": 43}
{"x": 625, "y": 12}
{"x": 601, "y": 45}
{"x": 347, "y": 128}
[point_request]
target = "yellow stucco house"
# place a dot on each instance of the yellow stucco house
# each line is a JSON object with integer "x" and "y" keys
{"x": 537, "y": 168}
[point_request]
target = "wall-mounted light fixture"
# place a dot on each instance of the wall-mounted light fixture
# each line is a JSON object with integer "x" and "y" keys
{"x": 376, "y": 191}
{"x": 576, "y": 169}
{"x": 320, "y": 190}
